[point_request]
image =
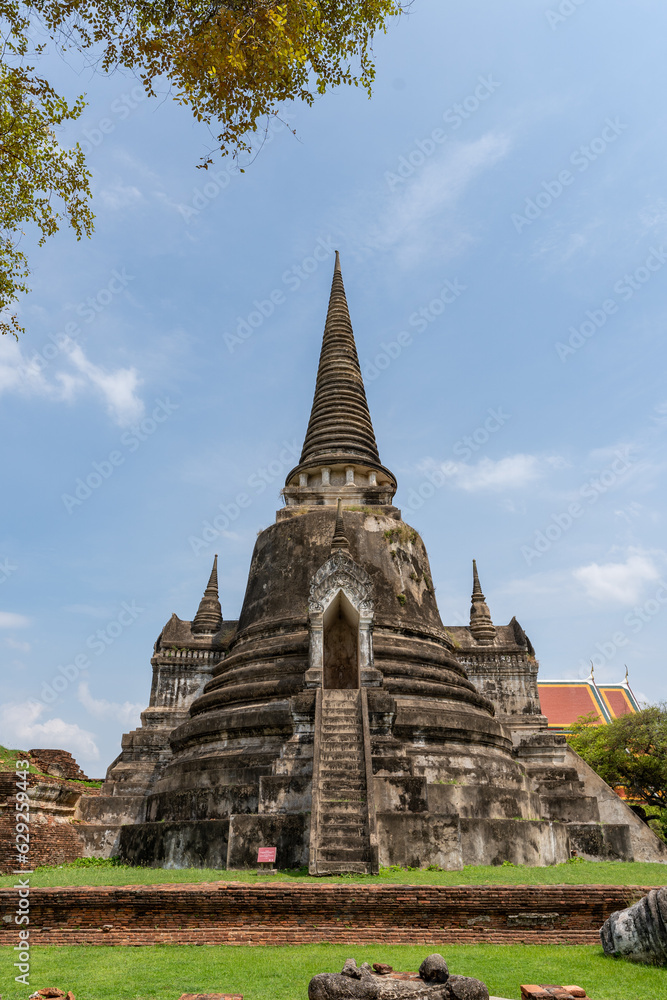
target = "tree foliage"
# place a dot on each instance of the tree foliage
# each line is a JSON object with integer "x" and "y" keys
{"x": 629, "y": 753}
{"x": 232, "y": 63}
{"x": 36, "y": 173}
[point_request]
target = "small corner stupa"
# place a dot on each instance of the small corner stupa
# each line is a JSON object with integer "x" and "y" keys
{"x": 338, "y": 720}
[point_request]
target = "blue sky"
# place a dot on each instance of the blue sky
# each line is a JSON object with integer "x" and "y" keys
{"x": 500, "y": 206}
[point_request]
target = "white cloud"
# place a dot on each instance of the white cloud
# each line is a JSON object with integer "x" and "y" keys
{"x": 23, "y": 647}
{"x": 119, "y": 195}
{"x": 128, "y": 713}
{"x": 410, "y": 218}
{"x": 21, "y": 729}
{"x": 619, "y": 582}
{"x": 118, "y": 388}
{"x": 509, "y": 473}
{"x": 9, "y": 619}
{"x": 89, "y": 610}
{"x": 28, "y": 378}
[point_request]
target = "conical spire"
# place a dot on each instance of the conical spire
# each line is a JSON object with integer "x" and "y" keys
{"x": 476, "y": 585}
{"x": 340, "y": 428}
{"x": 340, "y": 433}
{"x": 209, "y": 613}
{"x": 339, "y": 540}
{"x": 481, "y": 625}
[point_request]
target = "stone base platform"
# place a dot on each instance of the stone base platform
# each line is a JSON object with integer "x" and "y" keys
{"x": 280, "y": 914}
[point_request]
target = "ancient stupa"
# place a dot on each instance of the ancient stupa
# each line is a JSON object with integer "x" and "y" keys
{"x": 338, "y": 719}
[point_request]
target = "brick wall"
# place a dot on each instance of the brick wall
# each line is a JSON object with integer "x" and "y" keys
{"x": 234, "y": 913}
{"x": 58, "y": 762}
{"x": 54, "y": 838}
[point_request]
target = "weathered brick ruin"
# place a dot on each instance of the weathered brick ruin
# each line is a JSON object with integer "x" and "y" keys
{"x": 338, "y": 719}
{"x": 54, "y": 796}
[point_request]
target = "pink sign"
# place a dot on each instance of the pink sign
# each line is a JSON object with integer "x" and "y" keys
{"x": 266, "y": 854}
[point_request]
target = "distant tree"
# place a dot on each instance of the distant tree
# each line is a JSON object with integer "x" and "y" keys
{"x": 234, "y": 63}
{"x": 629, "y": 753}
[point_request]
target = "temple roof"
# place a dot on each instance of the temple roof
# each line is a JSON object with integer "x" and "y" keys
{"x": 340, "y": 430}
{"x": 619, "y": 699}
{"x": 178, "y": 634}
{"x": 508, "y": 638}
{"x": 563, "y": 702}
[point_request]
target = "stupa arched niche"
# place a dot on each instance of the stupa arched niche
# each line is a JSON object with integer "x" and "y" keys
{"x": 340, "y": 614}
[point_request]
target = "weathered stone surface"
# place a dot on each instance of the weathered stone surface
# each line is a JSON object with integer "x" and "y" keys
{"x": 350, "y": 969}
{"x": 465, "y": 988}
{"x": 640, "y": 931}
{"x": 434, "y": 969}
{"x": 211, "y": 996}
{"x": 433, "y": 982}
{"x": 332, "y": 986}
{"x": 234, "y": 753}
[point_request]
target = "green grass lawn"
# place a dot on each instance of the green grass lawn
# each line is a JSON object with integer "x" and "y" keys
{"x": 165, "y": 972}
{"x": 90, "y": 872}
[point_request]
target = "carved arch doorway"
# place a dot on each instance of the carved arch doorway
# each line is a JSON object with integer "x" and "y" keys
{"x": 340, "y": 613}
{"x": 341, "y": 645}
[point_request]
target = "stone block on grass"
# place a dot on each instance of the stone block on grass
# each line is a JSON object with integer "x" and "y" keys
{"x": 549, "y": 991}
{"x": 211, "y": 996}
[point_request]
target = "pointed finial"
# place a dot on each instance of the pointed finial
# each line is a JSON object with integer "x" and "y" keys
{"x": 209, "y": 613}
{"x": 627, "y": 678}
{"x": 339, "y": 540}
{"x": 592, "y": 675}
{"x": 340, "y": 431}
{"x": 481, "y": 626}
{"x": 476, "y": 586}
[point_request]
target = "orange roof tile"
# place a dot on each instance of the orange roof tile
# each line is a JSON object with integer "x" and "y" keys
{"x": 619, "y": 699}
{"x": 563, "y": 702}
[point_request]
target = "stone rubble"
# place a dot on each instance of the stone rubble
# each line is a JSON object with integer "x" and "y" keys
{"x": 434, "y": 969}
{"x": 433, "y": 982}
{"x": 51, "y": 993}
{"x": 547, "y": 992}
{"x": 639, "y": 932}
{"x": 211, "y": 996}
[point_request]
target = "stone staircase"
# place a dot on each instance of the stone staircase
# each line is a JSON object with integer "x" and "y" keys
{"x": 341, "y": 840}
